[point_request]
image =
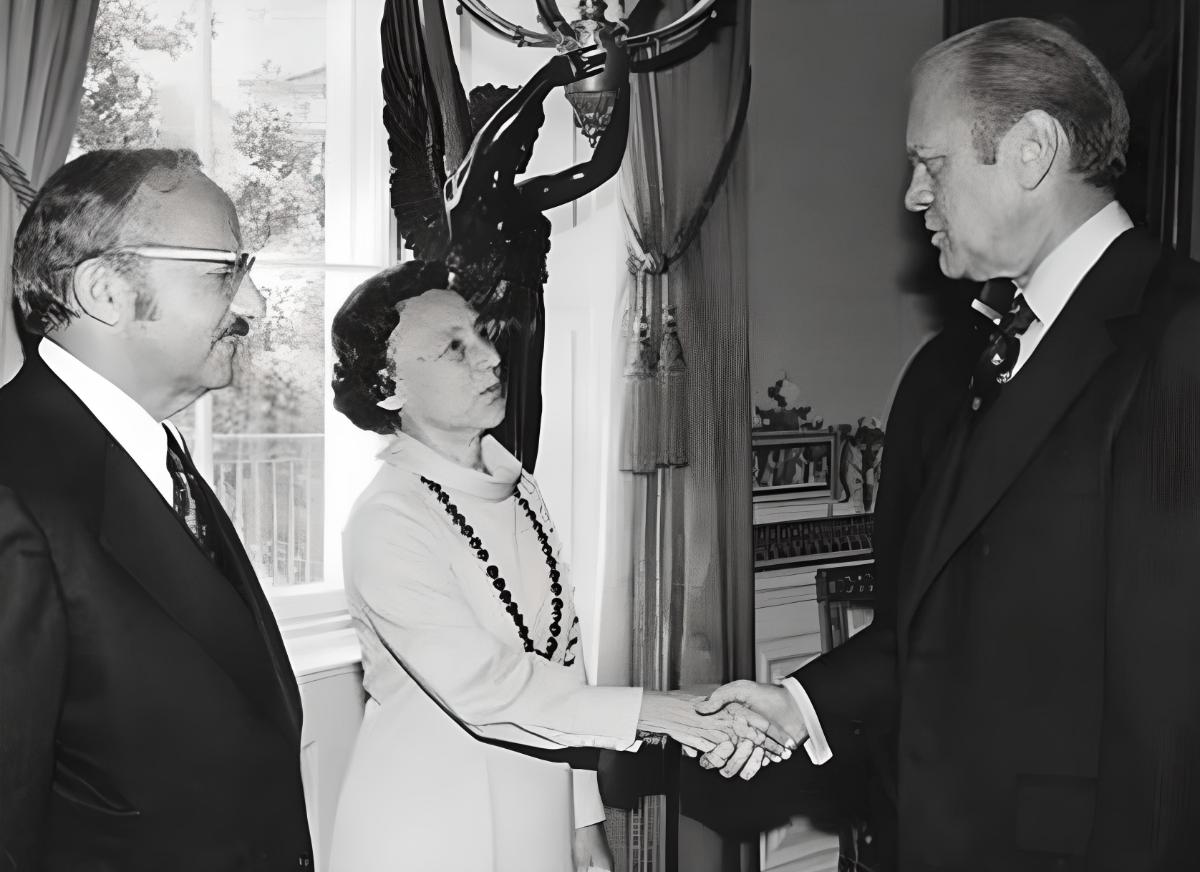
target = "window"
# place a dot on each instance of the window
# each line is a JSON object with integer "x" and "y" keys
{"x": 280, "y": 98}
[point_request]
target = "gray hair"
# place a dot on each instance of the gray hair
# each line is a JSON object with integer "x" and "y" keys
{"x": 79, "y": 214}
{"x": 1014, "y": 65}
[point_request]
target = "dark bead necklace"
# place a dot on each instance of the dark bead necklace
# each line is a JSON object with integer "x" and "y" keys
{"x": 498, "y": 581}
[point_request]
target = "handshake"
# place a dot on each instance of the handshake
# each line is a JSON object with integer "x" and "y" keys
{"x": 739, "y": 728}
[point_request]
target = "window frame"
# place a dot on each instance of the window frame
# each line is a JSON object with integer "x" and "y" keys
{"x": 360, "y": 240}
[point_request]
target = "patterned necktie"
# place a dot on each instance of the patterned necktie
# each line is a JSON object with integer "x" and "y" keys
{"x": 1003, "y": 350}
{"x": 183, "y": 477}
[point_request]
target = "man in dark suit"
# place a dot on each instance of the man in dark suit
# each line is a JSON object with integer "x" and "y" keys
{"x": 1031, "y": 683}
{"x": 149, "y": 719}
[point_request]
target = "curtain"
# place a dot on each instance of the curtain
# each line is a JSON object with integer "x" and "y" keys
{"x": 685, "y": 434}
{"x": 45, "y": 45}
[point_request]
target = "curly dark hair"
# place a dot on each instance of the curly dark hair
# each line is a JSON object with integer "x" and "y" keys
{"x": 360, "y": 335}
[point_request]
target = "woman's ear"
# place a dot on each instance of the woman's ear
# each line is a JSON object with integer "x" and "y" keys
{"x": 399, "y": 396}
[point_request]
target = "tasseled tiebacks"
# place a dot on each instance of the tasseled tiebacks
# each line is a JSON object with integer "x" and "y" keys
{"x": 654, "y": 430}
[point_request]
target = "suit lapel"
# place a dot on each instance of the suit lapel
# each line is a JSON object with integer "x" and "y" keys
{"x": 154, "y": 546}
{"x": 242, "y": 574}
{"x": 1007, "y": 437}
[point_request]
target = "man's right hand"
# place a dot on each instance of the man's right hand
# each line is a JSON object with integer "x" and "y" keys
{"x": 773, "y": 703}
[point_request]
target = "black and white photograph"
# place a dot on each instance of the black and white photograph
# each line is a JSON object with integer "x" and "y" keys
{"x": 450, "y": 436}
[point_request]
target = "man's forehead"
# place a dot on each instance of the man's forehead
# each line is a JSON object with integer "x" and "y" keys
{"x": 196, "y": 212}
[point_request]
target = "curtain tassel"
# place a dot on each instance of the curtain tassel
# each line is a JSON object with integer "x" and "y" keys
{"x": 672, "y": 385}
{"x": 639, "y": 437}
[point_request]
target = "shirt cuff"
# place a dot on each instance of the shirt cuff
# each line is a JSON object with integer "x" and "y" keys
{"x": 816, "y": 744}
{"x": 589, "y": 808}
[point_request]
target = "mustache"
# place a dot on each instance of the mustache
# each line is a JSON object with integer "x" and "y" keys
{"x": 239, "y": 327}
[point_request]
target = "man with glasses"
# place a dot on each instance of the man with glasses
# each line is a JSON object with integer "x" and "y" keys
{"x": 149, "y": 719}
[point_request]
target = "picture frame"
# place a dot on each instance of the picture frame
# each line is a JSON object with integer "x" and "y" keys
{"x": 794, "y": 464}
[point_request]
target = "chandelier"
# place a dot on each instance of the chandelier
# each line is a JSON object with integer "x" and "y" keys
{"x": 594, "y": 99}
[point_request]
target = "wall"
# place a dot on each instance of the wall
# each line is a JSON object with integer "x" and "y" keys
{"x": 839, "y": 272}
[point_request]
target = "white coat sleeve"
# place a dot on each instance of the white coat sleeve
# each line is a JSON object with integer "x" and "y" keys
{"x": 413, "y": 601}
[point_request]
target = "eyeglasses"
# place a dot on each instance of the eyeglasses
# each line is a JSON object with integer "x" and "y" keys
{"x": 239, "y": 261}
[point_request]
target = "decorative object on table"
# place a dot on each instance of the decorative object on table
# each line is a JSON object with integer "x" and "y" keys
{"x": 813, "y": 542}
{"x": 796, "y": 463}
{"x": 778, "y": 408}
{"x": 861, "y": 463}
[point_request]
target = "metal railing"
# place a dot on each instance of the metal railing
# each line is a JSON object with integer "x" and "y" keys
{"x": 273, "y": 487}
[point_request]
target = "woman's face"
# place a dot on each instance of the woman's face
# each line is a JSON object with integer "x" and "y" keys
{"x": 446, "y": 373}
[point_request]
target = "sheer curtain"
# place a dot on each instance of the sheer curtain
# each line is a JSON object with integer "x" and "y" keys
{"x": 685, "y": 439}
{"x": 45, "y": 47}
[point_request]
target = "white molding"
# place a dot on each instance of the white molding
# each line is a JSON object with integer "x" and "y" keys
{"x": 318, "y": 656}
{"x": 316, "y": 629}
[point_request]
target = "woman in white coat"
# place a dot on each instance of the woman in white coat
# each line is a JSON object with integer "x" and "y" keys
{"x": 471, "y": 647}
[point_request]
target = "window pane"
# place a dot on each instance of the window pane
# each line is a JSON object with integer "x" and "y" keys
{"x": 268, "y": 121}
{"x": 268, "y": 431}
{"x": 139, "y": 48}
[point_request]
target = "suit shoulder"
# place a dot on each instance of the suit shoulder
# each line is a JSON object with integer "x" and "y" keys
{"x": 44, "y": 452}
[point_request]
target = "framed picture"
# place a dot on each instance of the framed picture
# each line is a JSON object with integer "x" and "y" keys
{"x": 794, "y": 463}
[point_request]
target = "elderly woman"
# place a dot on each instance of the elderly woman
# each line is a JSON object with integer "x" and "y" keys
{"x": 471, "y": 645}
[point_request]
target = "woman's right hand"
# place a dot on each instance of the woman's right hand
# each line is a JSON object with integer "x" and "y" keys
{"x": 673, "y": 714}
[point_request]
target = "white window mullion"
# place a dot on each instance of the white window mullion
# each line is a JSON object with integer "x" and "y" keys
{"x": 202, "y": 434}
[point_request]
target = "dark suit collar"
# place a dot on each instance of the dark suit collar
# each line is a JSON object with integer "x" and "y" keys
{"x": 151, "y": 542}
{"x": 1092, "y": 325}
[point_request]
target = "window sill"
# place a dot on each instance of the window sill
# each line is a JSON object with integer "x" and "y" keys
{"x": 333, "y": 651}
{"x": 316, "y": 628}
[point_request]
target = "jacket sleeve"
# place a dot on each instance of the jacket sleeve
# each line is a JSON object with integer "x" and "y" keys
{"x": 853, "y": 688}
{"x": 33, "y": 646}
{"x": 412, "y": 600}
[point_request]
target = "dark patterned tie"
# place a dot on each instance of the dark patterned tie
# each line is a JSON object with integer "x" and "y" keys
{"x": 996, "y": 363}
{"x": 183, "y": 477}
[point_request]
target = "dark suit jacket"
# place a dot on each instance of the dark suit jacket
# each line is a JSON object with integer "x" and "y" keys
{"x": 1034, "y": 666}
{"x": 149, "y": 719}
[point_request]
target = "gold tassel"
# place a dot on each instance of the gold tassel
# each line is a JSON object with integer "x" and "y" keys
{"x": 672, "y": 385}
{"x": 640, "y": 425}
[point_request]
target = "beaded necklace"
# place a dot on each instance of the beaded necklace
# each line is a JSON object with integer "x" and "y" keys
{"x": 498, "y": 581}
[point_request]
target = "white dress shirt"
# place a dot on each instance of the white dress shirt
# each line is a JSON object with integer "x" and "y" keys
{"x": 133, "y": 428}
{"x": 1047, "y": 293}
